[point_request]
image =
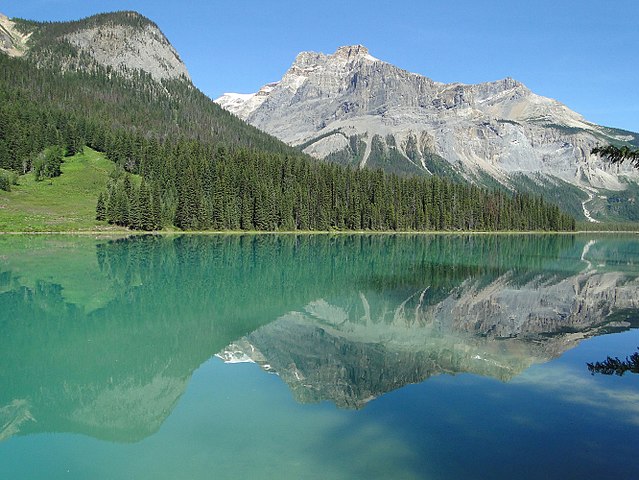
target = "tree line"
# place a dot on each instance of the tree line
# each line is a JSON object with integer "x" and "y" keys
{"x": 197, "y": 186}
{"x": 135, "y": 103}
{"x": 181, "y": 162}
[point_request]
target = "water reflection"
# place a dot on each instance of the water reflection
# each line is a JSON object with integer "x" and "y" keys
{"x": 616, "y": 366}
{"x": 352, "y": 351}
{"x": 101, "y": 337}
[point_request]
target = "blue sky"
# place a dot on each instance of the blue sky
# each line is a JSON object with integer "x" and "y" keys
{"x": 583, "y": 54}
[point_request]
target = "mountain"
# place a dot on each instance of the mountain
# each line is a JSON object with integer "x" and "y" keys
{"x": 113, "y": 69}
{"x": 113, "y": 82}
{"x": 351, "y": 108}
{"x": 203, "y": 168}
{"x": 122, "y": 41}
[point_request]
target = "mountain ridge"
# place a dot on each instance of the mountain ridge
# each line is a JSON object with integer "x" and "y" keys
{"x": 124, "y": 41}
{"x": 325, "y": 104}
{"x": 204, "y": 168}
{"x": 58, "y": 75}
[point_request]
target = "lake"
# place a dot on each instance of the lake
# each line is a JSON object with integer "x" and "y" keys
{"x": 318, "y": 356}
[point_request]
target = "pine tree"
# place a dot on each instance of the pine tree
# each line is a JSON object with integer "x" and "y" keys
{"x": 145, "y": 208}
{"x": 100, "y": 209}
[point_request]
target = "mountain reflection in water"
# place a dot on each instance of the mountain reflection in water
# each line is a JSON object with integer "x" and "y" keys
{"x": 354, "y": 351}
{"x": 101, "y": 337}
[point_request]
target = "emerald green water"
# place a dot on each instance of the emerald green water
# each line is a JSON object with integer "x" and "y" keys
{"x": 328, "y": 357}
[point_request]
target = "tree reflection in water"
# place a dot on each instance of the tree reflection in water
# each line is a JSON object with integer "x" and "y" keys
{"x": 616, "y": 366}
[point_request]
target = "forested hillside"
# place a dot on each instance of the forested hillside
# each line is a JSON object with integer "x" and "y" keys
{"x": 203, "y": 168}
{"x": 113, "y": 104}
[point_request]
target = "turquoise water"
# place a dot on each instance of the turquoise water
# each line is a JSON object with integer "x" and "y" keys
{"x": 383, "y": 356}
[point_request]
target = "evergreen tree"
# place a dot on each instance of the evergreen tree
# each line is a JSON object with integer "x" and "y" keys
{"x": 48, "y": 163}
{"x": 100, "y": 209}
{"x": 618, "y": 154}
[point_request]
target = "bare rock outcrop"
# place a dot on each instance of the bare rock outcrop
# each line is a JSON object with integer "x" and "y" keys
{"x": 12, "y": 41}
{"x": 128, "y": 48}
{"x": 500, "y": 129}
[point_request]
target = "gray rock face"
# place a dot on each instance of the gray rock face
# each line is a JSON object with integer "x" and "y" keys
{"x": 126, "y": 48}
{"x": 12, "y": 41}
{"x": 498, "y": 128}
{"x": 126, "y": 42}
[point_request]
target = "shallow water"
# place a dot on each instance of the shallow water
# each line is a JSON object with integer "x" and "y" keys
{"x": 381, "y": 356}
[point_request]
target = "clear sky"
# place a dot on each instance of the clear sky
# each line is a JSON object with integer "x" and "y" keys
{"x": 582, "y": 53}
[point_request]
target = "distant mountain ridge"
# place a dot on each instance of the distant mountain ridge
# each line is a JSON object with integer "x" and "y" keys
{"x": 351, "y": 108}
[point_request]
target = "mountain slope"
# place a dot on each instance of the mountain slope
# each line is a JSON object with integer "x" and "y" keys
{"x": 122, "y": 41}
{"x": 65, "y": 203}
{"x": 353, "y": 108}
{"x": 61, "y": 68}
{"x": 203, "y": 168}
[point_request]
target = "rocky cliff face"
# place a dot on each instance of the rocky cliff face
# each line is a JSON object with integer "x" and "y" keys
{"x": 127, "y": 48}
{"x": 124, "y": 41}
{"x": 353, "y": 108}
{"x": 12, "y": 41}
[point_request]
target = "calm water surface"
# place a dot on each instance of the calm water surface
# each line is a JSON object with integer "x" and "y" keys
{"x": 317, "y": 357}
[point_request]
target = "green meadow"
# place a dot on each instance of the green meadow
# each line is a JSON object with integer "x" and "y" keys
{"x": 62, "y": 204}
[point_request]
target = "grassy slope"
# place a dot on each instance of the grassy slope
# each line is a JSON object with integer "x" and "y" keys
{"x": 65, "y": 203}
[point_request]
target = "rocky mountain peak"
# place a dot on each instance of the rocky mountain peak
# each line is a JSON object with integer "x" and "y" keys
{"x": 128, "y": 41}
{"x": 354, "y": 109}
{"x": 308, "y": 62}
{"x": 510, "y": 82}
{"x": 124, "y": 41}
{"x": 507, "y": 84}
{"x": 352, "y": 52}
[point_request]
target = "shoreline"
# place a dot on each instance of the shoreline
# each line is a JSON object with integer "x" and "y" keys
{"x": 314, "y": 232}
